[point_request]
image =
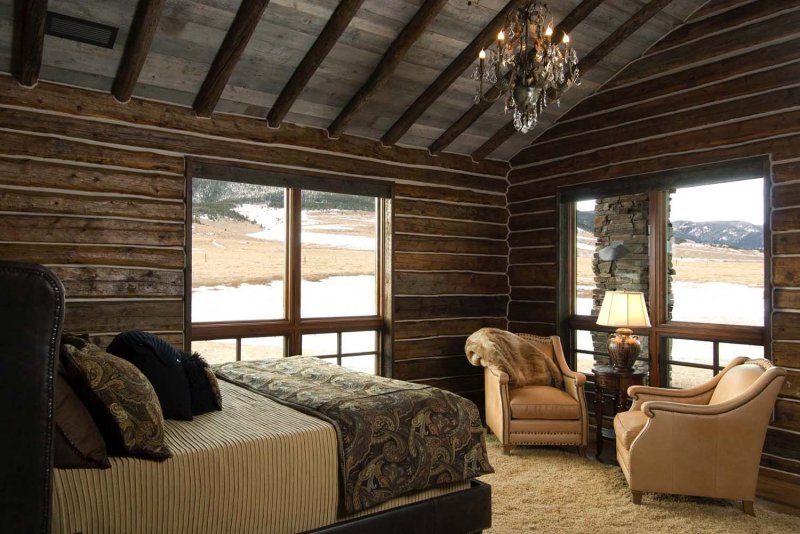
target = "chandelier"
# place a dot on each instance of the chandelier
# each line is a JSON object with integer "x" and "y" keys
{"x": 527, "y": 68}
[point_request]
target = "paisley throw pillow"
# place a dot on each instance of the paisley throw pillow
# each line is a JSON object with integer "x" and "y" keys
{"x": 120, "y": 398}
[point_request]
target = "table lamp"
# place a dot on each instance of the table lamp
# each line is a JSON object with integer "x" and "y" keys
{"x": 625, "y": 310}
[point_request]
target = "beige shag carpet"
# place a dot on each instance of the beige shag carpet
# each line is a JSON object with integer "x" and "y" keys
{"x": 546, "y": 489}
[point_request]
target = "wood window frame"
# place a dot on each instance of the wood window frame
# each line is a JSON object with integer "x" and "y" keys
{"x": 292, "y": 327}
{"x": 657, "y": 185}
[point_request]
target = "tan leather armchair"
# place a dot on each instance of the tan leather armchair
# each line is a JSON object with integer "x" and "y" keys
{"x": 538, "y": 415}
{"x": 703, "y": 441}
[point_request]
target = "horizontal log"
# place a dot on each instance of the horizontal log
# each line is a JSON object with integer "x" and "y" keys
{"x": 448, "y": 195}
{"x": 780, "y": 148}
{"x": 109, "y": 206}
{"x": 192, "y": 145}
{"x": 784, "y": 196}
{"x": 779, "y": 486}
{"x": 785, "y": 298}
{"x": 791, "y": 387}
{"x": 109, "y": 282}
{"x": 786, "y": 219}
{"x": 428, "y": 348}
{"x": 450, "y": 211}
{"x": 441, "y": 327}
{"x": 786, "y": 172}
{"x": 779, "y": 464}
{"x": 786, "y": 272}
{"x": 526, "y": 327}
{"x": 406, "y": 283}
{"x": 535, "y": 204}
{"x": 20, "y": 144}
{"x": 704, "y": 139}
{"x": 115, "y": 316}
{"x": 533, "y": 255}
{"x": 782, "y": 443}
{"x": 103, "y": 340}
{"x": 786, "y": 243}
{"x": 415, "y": 225}
{"x": 534, "y": 294}
{"x": 761, "y": 32}
{"x": 722, "y": 69}
{"x": 420, "y": 368}
{"x": 421, "y": 243}
{"x": 786, "y": 326}
{"x": 93, "y": 255}
{"x": 446, "y": 262}
{"x": 676, "y": 121}
{"x": 786, "y": 354}
{"x": 54, "y": 229}
{"x": 532, "y": 311}
{"x": 714, "y": 6}
{"x": 533, "y": 221}
{"x": 32, "y": 173}
{"x": 533, "y": 238}
{"x": 787, "y": 415}
{"x": 533, "y": 275}
{"x": 443, "y": 307}
{"x": 94, "y": 104}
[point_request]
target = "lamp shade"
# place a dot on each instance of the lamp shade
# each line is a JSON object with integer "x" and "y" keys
{"x": 624, "y": 309}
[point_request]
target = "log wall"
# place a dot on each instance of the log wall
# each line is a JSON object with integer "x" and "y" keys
{"x": 95, "y": 190}
{"x": 716, "y": 89}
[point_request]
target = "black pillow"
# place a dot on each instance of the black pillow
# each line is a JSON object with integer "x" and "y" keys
{"x": 202, "y": 383}
{"x": 160, "y": 362}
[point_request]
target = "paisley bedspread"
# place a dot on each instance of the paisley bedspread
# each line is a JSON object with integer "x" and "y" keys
{"x": 394, "y": 437}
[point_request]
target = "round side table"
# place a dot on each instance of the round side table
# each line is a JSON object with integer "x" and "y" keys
{"x": 607, "y": 380}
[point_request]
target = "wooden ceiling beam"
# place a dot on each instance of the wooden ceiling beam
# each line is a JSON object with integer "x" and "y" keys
{"x": 449, "y": 75}
{"x": 568, "y": 24}
{"x": 29, "y": 23}
{"x": 388, "y": 64}
{"x": 244, "y": 24}
{"x": 140, "y": 37}
{"x": 336, "y": 25}
{"x": 591, "y": 59}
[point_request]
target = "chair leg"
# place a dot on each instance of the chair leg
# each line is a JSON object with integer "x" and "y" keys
{"x": 582, "y": 451}
{"x": 636, "y": 497}
{"x": 747, "y": 507}
{"x": 506, "y": 449}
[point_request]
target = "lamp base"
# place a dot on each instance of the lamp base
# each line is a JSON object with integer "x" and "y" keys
{"x": 623, "y": 349}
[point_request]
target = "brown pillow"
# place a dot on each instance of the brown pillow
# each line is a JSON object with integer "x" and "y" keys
{"x": 121, "y": 400}
{"x": 77, "y": 440}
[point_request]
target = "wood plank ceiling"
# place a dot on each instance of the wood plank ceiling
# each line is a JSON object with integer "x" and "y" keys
{"x": 391, "y": 70}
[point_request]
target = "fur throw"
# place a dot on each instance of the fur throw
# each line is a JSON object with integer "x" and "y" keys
{"x": 524, "y": 363}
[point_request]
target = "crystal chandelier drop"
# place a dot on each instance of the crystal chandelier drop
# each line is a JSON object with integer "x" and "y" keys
{"x": 527, "y": 68}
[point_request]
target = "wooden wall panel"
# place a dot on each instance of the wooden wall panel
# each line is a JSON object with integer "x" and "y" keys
{"x": 96, "y": 190}
{"x": 675, "y": 108}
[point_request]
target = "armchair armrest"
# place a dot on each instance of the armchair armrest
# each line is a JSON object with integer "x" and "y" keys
{"x": 502, "y": 376}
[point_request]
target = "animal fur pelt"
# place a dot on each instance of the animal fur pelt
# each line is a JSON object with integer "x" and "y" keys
{"x": 524, "y": 363}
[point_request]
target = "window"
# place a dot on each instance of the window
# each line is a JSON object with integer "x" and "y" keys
{"x": 284, "y": 265}
{"x": 694, "y": 244}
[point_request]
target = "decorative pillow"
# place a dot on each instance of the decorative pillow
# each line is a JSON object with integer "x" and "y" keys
{"x": 77, "y": 440}
{"x": 121, "y": 400}
{"x": 202, "y": 383}
{"x": 161, "y": 364}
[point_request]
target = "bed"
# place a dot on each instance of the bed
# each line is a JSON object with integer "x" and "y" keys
{"x": 257, "y": 466}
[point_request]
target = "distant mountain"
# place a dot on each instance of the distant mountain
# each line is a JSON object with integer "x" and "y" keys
{"x": 733, "y": 234}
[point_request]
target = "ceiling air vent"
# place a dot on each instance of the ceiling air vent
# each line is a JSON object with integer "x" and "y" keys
{"x": 83, "y": 31}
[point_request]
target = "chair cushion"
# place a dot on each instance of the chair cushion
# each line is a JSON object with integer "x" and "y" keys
{"x": 542, "y": 402}
{"x": 735, "y": 381}
{"x": 627, "y": 426}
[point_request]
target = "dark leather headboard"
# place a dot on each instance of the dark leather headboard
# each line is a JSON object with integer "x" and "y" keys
{"x": 31, "y": 316}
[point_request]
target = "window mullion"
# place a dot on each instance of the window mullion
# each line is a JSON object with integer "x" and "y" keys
{"x": 657, "y": 245}
{"x": 293, "y": 269}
